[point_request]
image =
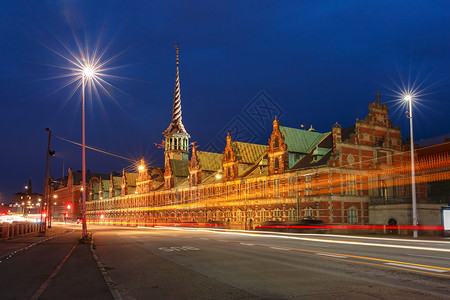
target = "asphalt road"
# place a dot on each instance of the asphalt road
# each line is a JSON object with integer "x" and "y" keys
{"x": 181, "y": 263}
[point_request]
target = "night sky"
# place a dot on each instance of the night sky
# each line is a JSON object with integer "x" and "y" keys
{"x": 309, "y": 62}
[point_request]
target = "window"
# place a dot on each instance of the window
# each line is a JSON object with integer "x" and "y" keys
{"x": 352, "y": 215}
{"x": 238, "y": 215}
{"x": 277, "y": 213}
{"x": 308, "y": 185}
{"x": 276, "y": 164}
{"x": 263, "y": 214}
{"x": 292, "y": 214}
{"x": 309, "y": 212}
{"x": 276, "y": 188}
{"x": 351, "y": 184}
{"x": 276, "y": 142}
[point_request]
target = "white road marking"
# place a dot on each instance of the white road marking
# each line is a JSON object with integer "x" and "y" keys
{"x": 331, "y": 255}
{"x": 182, "y": 248}
{"x": 277, "y": 248}
{"x": 223, "y": 241}
{"x": 204, "y": 239}
{"x": 246, "y": 244}
{"x": 417, "y": 267}
{"x": 429, "y": 256}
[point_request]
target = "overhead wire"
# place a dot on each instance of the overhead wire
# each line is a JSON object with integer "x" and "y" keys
{"x": 95, "y": 149}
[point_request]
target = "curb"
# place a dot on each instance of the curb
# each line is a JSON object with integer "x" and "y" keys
{"x": 111, "y": 284}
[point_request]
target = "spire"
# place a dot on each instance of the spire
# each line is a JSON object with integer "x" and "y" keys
{"x": 378, "y": 97}
{"x": 29, "y": 190}
{"x": 176, "y": 126}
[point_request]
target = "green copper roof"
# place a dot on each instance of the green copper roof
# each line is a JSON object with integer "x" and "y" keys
{"x": 299, "y": 140}
{"x": 105, "y": 184}
{"x": 117, "y": 182}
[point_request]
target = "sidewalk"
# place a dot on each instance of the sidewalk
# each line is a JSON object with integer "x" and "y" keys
{"x": 71, "y": 270}
{"x": 24, "y": 242}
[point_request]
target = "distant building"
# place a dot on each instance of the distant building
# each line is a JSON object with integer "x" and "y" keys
{"x": 27, "y": 202}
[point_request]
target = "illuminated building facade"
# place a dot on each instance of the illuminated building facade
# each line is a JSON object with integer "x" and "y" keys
{"x": 334, "y": 176}
{"x": 64, "y": 193}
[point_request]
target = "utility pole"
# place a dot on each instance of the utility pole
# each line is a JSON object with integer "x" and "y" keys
{"x": 45, "y": 211}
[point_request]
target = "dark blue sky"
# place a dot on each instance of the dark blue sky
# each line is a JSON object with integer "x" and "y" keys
{"x": 317, "y": 62}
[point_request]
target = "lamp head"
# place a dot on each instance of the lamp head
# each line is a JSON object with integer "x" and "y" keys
{"x": 88, "y": 72}
{"x": 407, "y": 97}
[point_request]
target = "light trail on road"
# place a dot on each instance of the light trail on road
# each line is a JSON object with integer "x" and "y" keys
{"x": 386, "y": 262}
{"x": 406, "y": 266}
{"x": 328, "y": 241}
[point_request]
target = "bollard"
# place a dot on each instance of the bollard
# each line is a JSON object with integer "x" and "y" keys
{"x": 5, "y": 231}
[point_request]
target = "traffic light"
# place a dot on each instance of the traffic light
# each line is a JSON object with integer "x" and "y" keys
{"x": 67, "y": 214}
{"x": 68, "y": 206}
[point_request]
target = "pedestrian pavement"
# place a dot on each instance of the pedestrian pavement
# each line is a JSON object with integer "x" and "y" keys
{"x": 77, "y": 276}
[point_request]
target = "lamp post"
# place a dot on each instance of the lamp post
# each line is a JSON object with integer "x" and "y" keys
{"x": 413, "y": 174}
{"x": 245, "y": 203}
{"x": 87, "y": 74}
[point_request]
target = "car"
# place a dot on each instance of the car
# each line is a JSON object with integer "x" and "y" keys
{"x": 215, "y": 224}
{"x": 185, "y": 224}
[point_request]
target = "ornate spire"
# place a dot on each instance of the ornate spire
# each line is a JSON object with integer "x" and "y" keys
{"x": 176, "y": 126}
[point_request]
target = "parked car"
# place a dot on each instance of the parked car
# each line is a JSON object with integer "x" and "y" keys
{"x": 215, "y": 224}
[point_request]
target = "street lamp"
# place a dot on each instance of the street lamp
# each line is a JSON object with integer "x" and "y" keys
{"x": 409, "y": 98}
{"x": 245, "y": 201}
{"x": 88, "y": 73}
{"x": 87, "y": 69}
